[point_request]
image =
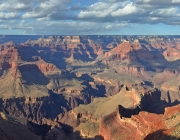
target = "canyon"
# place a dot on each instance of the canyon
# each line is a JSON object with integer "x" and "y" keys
{"x": 90, "y": 87}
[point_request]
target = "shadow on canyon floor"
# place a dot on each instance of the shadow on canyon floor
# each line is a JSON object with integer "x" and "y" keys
{"x": 159, "y": 135}
{"x": 33, "y": 75}
{"x": 77, "y": 136}
{"x": 150, "y": 102}
{"x": 40, "y": 130}
{"x": 65, "y": 131}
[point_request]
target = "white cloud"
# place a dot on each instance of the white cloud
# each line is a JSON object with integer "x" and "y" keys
{"x": 10, "y": 15}
{"x": 101, "y": 10}
{"x": 115, "y": 26}
{"x": 45, "y": 9}
{"x": 165, "y": 12}
{"x": 112, "y": 1}
{"x": 122, "y": 24}
{"x": 175, "y": 1}
{"x": 127, "y": 10}
{"x": 51, "y": 4}
{"x": 160, "y": 3}
{"x": 108, "y": 26}
{"x": 154, "y": 18}
{"x": 20, "y": 6}
{"x": 34, "y": 14}
{"x": 16, "y": 6}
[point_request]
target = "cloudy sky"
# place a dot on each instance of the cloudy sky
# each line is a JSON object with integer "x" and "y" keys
{"x": 102, "y": 17}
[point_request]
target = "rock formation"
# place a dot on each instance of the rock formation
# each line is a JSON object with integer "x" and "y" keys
{"x": 113, "y": 127}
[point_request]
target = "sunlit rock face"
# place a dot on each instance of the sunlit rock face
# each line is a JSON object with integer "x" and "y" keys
{"x": 141, "y": 126}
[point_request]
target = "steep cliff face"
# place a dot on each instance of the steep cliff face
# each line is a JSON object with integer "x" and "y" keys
{"x": 74, "y": 47}
{"x": 122, "y": 51}
{"x": 44, "y": 67}
{"x": 112, "y": 127}
{"x": 9, "y": 58}
{"x": 132, "y": 51}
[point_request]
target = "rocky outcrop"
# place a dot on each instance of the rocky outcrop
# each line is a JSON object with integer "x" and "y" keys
{"x": 133, "y": 71}
{"x": 171, "y": 54}
{"x": 112, "y": 127}
{"x": 7, "y": 45}
{"x": 45, "y": 68}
